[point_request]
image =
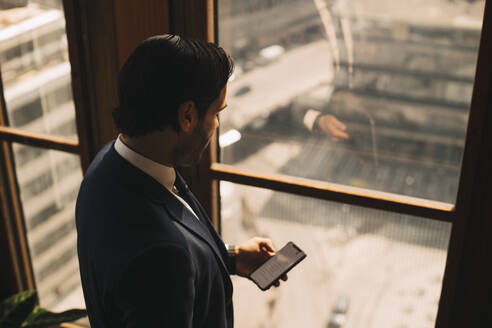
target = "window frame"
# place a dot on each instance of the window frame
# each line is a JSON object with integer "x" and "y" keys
{"x": 14, "y": 234}
{"x": 366, "y": 197}
{"x": 471, "y": 193}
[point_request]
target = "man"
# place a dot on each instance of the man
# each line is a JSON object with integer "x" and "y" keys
{"x": 148, "y": 255}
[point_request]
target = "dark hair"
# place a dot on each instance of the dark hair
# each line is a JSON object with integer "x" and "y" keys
{"x": 163, "y": 72}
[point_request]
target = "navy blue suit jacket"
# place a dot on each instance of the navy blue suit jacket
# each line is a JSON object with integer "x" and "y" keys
{"x": 145, "y": 260}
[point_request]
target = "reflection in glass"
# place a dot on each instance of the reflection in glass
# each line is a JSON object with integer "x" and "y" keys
{"x": 37, "y": 88}
{"x": 35, "y": 68}
{"x": 395, "y": 77}
{"x": 48, "y": 182}
{"x": 364, "y": 268}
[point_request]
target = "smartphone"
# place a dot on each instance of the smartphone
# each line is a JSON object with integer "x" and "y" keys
{"x": 276, "y": 266}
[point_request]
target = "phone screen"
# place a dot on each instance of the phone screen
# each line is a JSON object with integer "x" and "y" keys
{"x": 276, "y": 266}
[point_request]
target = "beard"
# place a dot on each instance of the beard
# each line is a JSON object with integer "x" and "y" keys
{"x": 192, "y": 151}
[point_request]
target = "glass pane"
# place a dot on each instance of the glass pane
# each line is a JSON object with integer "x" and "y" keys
{"x": 35, "y": 68}
{"x": 49, "y": 182}
{"x": 364, "y": 268}
{"x": 395, "y": 77}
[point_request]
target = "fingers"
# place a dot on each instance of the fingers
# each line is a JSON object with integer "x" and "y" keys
{"x": 338, "y": 129}
{"x": 333, "y": 128}
{"x": 266, "y": 244}
{"x": 284, "y": 278}
{"x": 338, "y": 124}
{"x": 339, "y": 133}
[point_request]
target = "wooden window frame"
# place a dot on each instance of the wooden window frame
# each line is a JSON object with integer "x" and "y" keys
{"x": 13, "y": 242}
{"x": 13, "y": 237}
{"x": 10, "y": 134}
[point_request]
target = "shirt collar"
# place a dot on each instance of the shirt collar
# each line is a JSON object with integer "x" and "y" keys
{"x": 165, "y": 175}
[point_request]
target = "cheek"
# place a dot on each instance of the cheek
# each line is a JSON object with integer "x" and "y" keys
{"x": 212, "y": 124}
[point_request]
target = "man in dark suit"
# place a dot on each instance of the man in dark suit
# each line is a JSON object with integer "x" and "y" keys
{"x": 148, "y": 255}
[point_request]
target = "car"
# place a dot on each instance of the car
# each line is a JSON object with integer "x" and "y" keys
{"x": 341, "y": 305}
{"x": 242, "y": 90}
{"x": 338, "y": 314}
{"x": 337, "y": 320}
{"x": 269, "y": 54}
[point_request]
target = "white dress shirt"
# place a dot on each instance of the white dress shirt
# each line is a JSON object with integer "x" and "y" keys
{"x": 163, "y": 174}
{"x": 309, "y": 118}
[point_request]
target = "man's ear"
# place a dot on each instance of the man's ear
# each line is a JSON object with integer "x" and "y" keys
{"x": 187, "y": 116}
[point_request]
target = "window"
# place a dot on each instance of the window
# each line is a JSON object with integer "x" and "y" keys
{"x": 397, "y": 80}
{"x": 397, "y": 86}
{"x": 27, "y": 113}
{"x": 48, "y": 192}
{"x": 387, "y": 267}
{"x": 38, "y": 99}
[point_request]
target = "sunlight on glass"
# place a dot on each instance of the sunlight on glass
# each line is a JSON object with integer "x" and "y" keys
{"x": 375, "y": 94}
{"x": 230, "y": 137}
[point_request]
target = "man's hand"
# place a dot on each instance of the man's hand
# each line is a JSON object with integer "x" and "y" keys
{"x": 330, "y": 126}
{"x": 252, "y": 254}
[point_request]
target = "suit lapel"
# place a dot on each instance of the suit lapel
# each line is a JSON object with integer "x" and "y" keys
{"x": 204, "y": 224}
{"x": 183, "y": 216}
{"x": 188, "y": 196}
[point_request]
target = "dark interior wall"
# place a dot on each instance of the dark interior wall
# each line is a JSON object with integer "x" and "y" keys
{"x": 101, "y": 35}
{"x": 137, "y": 20}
